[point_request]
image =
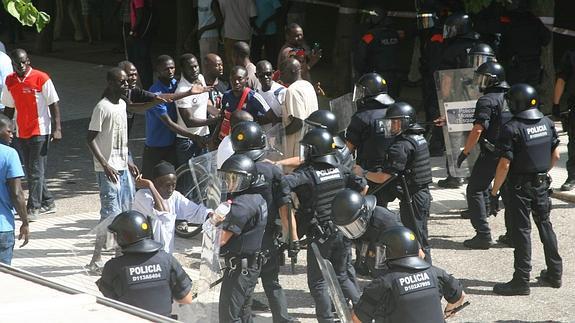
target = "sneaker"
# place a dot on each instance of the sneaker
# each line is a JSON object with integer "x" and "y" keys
{"x": 451, "y": 182}
{"x": 259, "y": 306}
{"x": 568, "y": 185}
{"x": 511, "y": 288}
{"x": 48, "y": 209}
{"x": 505, "y": 239}
{"x": 93, "y": 269}
{"x": 478, "y": 242}
{"x": 465, "y": 214}
{"x": 545, "y": 277}
{"x": 33, "y": 215}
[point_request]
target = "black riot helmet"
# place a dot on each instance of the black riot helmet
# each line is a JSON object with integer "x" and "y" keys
{"x": 371, "y": 86}
{"x": 351, "y": 212}
{"x": 399, "y": 117}
{"x": 318, "y": 146}
{"x": 523, "y": 102}
{"x": 400, "y": 248}
{"x": 133, "y": 233}
{"x": 488, "y": 75}
{"x": 457, "y": 24}
{"x": 238, "y": 173}
{"x": 249, "y": 138}
{"x": 479, "y": 54}
{"x": 323, "y": 119}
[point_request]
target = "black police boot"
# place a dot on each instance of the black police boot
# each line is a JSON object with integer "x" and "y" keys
{"x": 465, "y": 214}
{"x": 451, "y": 182}
{"x": 478, "y": 242}
{"x": 511, "y": 288}
{"x": 568, "y": 185}
{"x": 505, "y": 239}
{"x": 545, "y": 277}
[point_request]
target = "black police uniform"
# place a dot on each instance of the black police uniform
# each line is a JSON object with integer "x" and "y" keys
{"x": 270, "y": 244}
{"x": 528, "y": 144}
{"x": 367, "y": 134}
{"x": 523, "y": 36}
{"x": 315, "y": 185}
{"x": 491, "y": 113}
{"x": 408, "y": 295}
{"x": 378, "y": 51}
{"x": 247, "y": 221}
{"x": 145, "y": 280}
{"x": 566, "y": 71}
{"x": 409, "y": 156}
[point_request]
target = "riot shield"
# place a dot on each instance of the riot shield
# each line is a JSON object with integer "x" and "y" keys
{"x": 343, "y": 108}
{"x": 335, "y": 292}
{"x": 275, "y": 138}
{"x": 457, "y": 96}
{"x": 205, "y": 188}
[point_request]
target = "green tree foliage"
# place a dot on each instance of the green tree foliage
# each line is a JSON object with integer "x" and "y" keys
{"x": 26, "y": 13}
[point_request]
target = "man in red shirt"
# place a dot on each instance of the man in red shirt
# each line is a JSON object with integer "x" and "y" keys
{"x": 30, "y": 96}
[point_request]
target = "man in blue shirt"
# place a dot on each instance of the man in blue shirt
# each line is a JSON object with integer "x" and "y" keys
{"x": 11, "y": 194}
{"x": 161, "y": 126}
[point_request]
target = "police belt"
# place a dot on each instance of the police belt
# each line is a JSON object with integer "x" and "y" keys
{"x": 531, "y": 180}
{"x": 243, "y": 263}
{"x": 322, "y": 231}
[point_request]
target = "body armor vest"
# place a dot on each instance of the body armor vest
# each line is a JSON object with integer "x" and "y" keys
{"x": 532, "y": 147}
{"x": 420, "y": 165}
{"x": 373, "y": 150}
{"x": 328, "y": 182}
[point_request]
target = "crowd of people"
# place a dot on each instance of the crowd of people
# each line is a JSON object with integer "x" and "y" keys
{"x": 331, "y": 188}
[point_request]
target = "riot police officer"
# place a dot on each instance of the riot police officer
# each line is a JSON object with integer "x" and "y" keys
{"x": 408, "y": 161}
{"x": 144, "y": 275}
{"x": 249, "y": 139}
{"x": 491, "y": 113}
{"x": 326, "y": 119}
{"x": 528, "y": 148}
{"x": 459, "y": 38}
{"x": 315, "y": 183}
{"x": 365, "y": 135}
{"x": 361, "y": 220}
{"x": 378, "y": 50}
{"x": 408, "y": 291}
{"x": 241, "y": 237}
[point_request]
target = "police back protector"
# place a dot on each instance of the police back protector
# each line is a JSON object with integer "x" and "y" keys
{"x": 534, "y": 146}
{"x": 328, "y": 182}
{"x": 418, "y": 170}
{"x": 373, "y": 150}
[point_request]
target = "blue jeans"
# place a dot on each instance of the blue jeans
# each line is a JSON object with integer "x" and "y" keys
{"x": 35, "y": 154}
{"x": 187, "y": 149}
{"x": 6, "y": 247}
{"x": 115, "y": 198}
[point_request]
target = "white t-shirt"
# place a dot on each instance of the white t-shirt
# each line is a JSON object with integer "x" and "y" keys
{"x": 275, "y": 97}
{"x": 300, "y": 102}
{"x": 197, "y": 103}
{"x": 225, "y": 150}
{"x": 237, "y": 14}
{"x": 163, "y": 223}
{"x": 110, "y": 121}
{"x": 5, "y": 70}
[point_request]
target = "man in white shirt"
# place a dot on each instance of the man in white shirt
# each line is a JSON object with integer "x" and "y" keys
{"x": 5, "y": 70}
{"x": 159, "y": 200}
{"x": 108, "y": 141}
{"x": 225, "y": 149}
{"x": 192, "y": 111}
{"x": 273, "y": 92}
{"x": 300, "y": 102}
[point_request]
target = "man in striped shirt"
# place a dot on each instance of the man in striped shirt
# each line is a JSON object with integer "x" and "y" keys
{"x": 29, "y": 95}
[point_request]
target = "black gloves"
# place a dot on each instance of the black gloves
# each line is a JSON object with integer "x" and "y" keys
{"x": 556, "y": 110}
{"x": 294, "y": 249}
{"x": 493, "y": 204}
{"x": 462, "y": 156}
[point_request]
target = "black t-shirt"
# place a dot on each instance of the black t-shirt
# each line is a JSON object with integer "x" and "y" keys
{"x": 408, "y": 295}
{"x": 247, "y": 221}
{"x": 146, "y": 280}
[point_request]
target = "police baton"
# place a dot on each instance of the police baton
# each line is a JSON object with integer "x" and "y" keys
{"x": 377, "y": 189}
{"x": 455, "y": 310}
{"x": 293, "y": 259}
{"x": 407, "y": 199}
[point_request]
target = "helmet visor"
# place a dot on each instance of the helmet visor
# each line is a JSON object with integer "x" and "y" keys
{"x": 304, "y": 151}
{"x": 425, "y": 21}
{"x": 356, "y": 228}
{"x": 475, "y": 60}
{"x": 233, "y": 182}
{"x": 380, "y": 256}
{"x": 359, "y": 92}
{"x": 482, "y": 81}
{"x": 394, "y": 127}
{"x": 449, "y": 31}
